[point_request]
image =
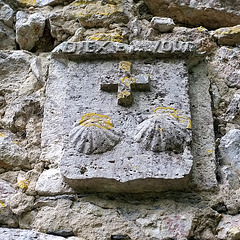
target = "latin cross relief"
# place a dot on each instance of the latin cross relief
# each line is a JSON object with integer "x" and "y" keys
{"x": 127, "y": 84}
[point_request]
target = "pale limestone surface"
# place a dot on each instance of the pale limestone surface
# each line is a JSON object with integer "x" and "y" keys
{"x": 7, "y": 35}
{"x": 21, "y": 234}
{"x": 203, "y": 149}
{"x": 197, "y": 13}
{"x": 233, "y": 111}
{"x": 29, "y": 29}
{"x": 229, "y": 72}
{"x": 11, "y": 154}
{"x": 6, "y": 190}
{"x": 20, "y": 203}
{"x": 229, "y": 228}
{"x": 230, "y": 149}
{"x": 51, "y": 182}
{"x": 7, "y": 218}
{"x": 6, "y": 14}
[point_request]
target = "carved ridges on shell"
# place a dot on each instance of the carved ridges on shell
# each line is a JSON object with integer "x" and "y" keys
{"x": 89, "y": 137}
{"x": 97, "y": 120}
{"x": 175, "y": 114}
{"x": 164, "y": 132}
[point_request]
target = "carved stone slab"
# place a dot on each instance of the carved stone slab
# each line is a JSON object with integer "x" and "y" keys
{"x": 136, "y": 49}
{"x": 119, "y": 125}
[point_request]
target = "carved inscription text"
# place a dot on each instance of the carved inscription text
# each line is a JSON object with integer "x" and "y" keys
{"x": 115, "y": 48}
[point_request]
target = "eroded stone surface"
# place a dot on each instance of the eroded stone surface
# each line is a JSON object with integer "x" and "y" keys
{"x": 197, "y": 13}
{"x": 29, "y": 28}
{"x": 162, "y": 24}
{"x": 20, "y": 234}
{"x": 62, "y": 27}
{"x": 233, "y": 111}
{"x": 229, "y": 227}
{"x": 7, "y": 35}
{"x": 19, "y": 93}
{"x": 6, "y": 14}
{"x": 229, "y": 71}
{"x": 203, "y": 147}
{"x": 171, "y": 226}
{"x": 20, "y": 203}
{"x": 11, "y": 155}
{"x": 51, "y": 182}
{"x": 228, "y": 36}
{"x": 7, "y": 218}
{"x": 230, "y": 149}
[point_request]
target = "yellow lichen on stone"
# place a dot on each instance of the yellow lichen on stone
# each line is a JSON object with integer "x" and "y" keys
{"x": 125, "y": 65}
{"x": 201, "y": 29}
{"x": 97, "y": 9}
{"x": 23, "y": 184}
{"x": 128, "y": 81}
{"x": 230, "y": 30}
{"x": 2, "y": 204}
{"x": 124, "y": 94}
{"x": 96, "y": 120}
{"x": 29, "y": 2}
{"x": 209, "y": 152}
{"x": 175, "y": 114}
{"x": 112, "y": 37}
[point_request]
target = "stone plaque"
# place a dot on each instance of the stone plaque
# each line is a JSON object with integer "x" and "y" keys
{"x": 119, "y": 123}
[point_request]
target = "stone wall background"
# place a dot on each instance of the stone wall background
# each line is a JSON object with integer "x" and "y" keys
{"x": 43, "y": 204}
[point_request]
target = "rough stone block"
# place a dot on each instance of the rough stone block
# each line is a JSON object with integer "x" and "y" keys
{"x": 11, "y": 155}
{"x": 229, "y": 227}
{"x": 225, "y": 64}
{"x": 168, "y": 227}
{"x": 230, "y": 149}
{"x": 162, "y": 24}
{"x": 6, "y": 14}
{"x": 233, "y": 111}
{"x": 13, "y": 234}
{"x": 29, "y": 28}
{"x": 209, "y": 14}
{"x": 51, "y": 182}
{"x": 6, "y": 191}
{"x": 7, "y": 218}
{"x": 7, "y": 37}
{"x": 228, "y": 36}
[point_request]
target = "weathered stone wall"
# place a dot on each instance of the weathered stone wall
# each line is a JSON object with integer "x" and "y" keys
{"x": 183, "y": 54}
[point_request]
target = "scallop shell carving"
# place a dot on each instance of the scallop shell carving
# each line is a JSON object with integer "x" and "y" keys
{"x": 166, "y": 130}
{"x": 94, "y": 134}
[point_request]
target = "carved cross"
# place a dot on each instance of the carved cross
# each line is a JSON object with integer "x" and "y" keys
{"x": 128, "y": 83}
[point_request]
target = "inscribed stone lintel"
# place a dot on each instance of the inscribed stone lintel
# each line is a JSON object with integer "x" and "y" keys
{"x": 136, "y": 49}
{"x": 125, "y": 125}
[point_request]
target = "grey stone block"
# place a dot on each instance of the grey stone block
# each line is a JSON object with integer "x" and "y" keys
{"x": 162, "y": 24}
